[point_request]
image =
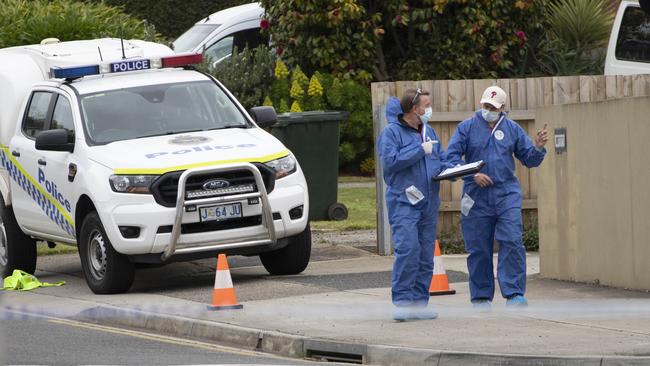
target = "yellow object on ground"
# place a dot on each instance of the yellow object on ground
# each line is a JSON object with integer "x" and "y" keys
{"x": 24, "y": 281}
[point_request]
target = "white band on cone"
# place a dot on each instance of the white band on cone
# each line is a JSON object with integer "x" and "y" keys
{"x": 222, "y": 279}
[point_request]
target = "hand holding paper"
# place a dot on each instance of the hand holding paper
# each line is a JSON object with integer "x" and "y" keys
{"x": 460, "y": 171}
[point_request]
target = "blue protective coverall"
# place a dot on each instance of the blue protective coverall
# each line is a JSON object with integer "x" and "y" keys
{"x": 493, "y": 212}
{"x": 413, "y": 226}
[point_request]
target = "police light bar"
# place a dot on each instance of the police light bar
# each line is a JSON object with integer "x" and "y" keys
{"x": 74, "y": 72}
{"x": 126, "y": 65}
{"x": 182, "y": 60}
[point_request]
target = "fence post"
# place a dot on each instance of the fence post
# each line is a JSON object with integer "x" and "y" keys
{"x": 380, "y": 94}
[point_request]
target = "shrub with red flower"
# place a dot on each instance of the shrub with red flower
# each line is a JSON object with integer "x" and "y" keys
{"x": 521, "y": 35}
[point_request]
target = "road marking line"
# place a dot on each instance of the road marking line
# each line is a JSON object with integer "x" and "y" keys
{"x": 158, "y": 338}
{"x": 161, "y": 338}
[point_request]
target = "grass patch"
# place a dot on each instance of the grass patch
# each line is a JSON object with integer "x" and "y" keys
{"x": 42, "y": 249}
{"x": 356, "y": 179}
{"x": 362, "y": 211}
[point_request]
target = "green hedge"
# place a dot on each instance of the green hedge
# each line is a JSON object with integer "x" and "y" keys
{"x": 171, "y": 17}
{"x": 25, "y": 22}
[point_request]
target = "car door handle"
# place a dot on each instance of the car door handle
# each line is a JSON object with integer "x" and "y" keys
{"x": 42, "y": 161}
{"x": 15, "y": 153}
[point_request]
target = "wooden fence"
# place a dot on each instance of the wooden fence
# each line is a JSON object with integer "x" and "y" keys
{"x": 455, "y": 100}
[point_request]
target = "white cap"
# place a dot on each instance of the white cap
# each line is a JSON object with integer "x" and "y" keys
{"x": 495, "y": 96}
{"x": 50, "y": 41}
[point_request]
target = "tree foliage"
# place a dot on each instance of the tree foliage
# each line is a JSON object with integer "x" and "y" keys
{"x": 324, "y": 35}
{"x": 407, "y": 40}
{"x": 172, "y": 17}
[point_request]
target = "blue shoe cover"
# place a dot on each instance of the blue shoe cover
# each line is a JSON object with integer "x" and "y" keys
{"x": 401, "y": 313}
{"x": 482, "y": 304}
{"x": 425, "y": 313}
{"x": 517, "y": 301}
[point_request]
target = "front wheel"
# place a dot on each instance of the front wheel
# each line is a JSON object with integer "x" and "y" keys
{"x": 106, "y": 271}
{"x": 17, "y": 250}
{"x": 291, "y": 259}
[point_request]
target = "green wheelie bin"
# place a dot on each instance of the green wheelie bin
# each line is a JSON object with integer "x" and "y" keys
{"x": 313, "y": 137}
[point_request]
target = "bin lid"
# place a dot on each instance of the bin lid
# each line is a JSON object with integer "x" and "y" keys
{"x": 289, "y": 118}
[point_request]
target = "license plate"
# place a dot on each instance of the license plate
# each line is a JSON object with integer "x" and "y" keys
{"x": 219, "y": 213}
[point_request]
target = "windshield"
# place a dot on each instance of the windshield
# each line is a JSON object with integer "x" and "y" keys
{"x": 155, "y": 110}
{"x": 633, "y": 43}
{"x": 188, "y": 41}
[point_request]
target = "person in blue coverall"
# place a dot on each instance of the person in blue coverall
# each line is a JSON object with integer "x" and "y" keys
{"x": 491, "y": 201}
{"x": 411, "y": 155}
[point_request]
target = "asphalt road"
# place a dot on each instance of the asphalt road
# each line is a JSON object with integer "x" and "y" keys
{"x": 48, "y": 341}
{"x": 195, "y": 280}
{"x": 63, "y": 342}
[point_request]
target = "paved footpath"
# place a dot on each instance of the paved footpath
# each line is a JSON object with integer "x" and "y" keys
{"x": 566, "y": 324}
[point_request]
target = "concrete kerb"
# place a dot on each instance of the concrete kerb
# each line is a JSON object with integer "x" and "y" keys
{"x": 399, "y": 356}
{"x": 253, "y": 339}
{"x": 295, "y": 346}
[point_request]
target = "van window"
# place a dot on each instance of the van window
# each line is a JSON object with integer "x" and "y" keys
{"x": 220, "y": 50}
{"x": 633, "y": 43}
{"x": 223, "y": 48}
{"x": 62, "y": 117}
{"x": 37, "y": 112}
{"x": 250, "y": 37}
{"x": 188, "y": 41}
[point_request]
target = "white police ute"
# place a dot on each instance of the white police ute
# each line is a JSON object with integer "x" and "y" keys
{"x": 123, "y": 149}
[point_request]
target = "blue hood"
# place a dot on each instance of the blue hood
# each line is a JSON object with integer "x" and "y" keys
{"x": 393, "y": 110}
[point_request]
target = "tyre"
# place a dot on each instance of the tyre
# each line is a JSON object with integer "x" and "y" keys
{"x": 17, "y": 250}
{"x": 293, "y": 258}
{"x": 337, "y": 212}
{"x": 106, "y": 271}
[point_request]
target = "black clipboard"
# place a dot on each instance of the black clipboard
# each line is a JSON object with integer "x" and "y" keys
{"x": 460, "y": 171}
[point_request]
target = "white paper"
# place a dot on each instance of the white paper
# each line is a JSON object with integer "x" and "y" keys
{"x": 414, "y": 195}
{"x": 461, "y": 168}
{"x": 466, "y": 204}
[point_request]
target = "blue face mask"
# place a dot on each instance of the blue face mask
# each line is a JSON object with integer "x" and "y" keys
{"x": 489, "y": 115}
{"x": 428, "y": 112}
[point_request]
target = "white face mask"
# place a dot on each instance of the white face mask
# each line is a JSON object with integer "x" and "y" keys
{"x": 427, "y": 115}
{"x": 489, "y": 115}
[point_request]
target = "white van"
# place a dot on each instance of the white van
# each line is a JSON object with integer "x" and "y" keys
{"x": 218, "y": 34}
{"x": 134, "y": 157}
{"x": 628, "y": 51}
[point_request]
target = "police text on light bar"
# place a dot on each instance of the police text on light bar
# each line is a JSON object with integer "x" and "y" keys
{"x": 124, "y": 66}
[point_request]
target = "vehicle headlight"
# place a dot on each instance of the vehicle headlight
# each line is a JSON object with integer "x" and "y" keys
{"x": 131, "y": 183}
{"x": 283, "y": 166}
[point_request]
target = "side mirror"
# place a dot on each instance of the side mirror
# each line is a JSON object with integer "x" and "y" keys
{"x": 264, "y": 116}
{"x": 54, "y": 140}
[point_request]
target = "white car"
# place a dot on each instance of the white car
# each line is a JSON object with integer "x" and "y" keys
{"x": 133, "y": 156}
{"x": 628, "y": 51}
{"x": 217, "y": 35}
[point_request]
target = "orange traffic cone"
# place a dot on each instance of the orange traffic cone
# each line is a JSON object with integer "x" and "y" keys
{"x": 223, "y": 297}
{"x": 439, "y": 280}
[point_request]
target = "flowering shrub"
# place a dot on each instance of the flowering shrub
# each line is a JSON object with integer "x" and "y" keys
{"x": 405, "y": 40}
{"x": 458, "y": 39}
{"x": 326, "y": 92}
{"x": 335, "y": 36}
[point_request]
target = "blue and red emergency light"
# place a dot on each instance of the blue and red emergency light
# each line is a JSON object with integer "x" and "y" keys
{"x": 126, "y": 65}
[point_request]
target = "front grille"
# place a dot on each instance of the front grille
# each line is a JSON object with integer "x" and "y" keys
{"x": 165, "y": 188}
{"x": 203, "y": 227}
